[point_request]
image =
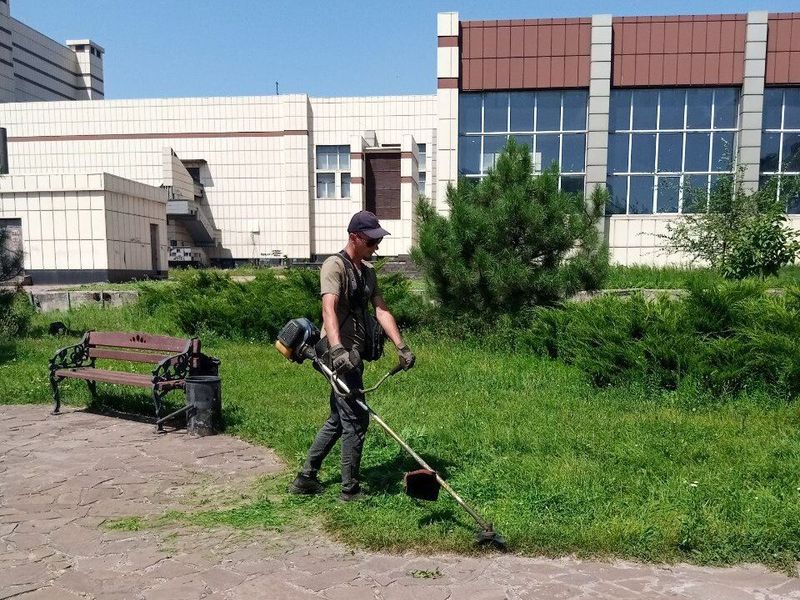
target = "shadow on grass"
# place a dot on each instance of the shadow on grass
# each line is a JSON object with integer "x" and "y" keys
{"x": 450, "y": 518}
{"x": 8, "y": 350}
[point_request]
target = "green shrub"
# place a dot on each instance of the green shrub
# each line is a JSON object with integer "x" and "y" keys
{"x": 16, "y": 313}
{"x": 726, "y": 339}
{"x": 409, "y": 309}
{"x": 739, "y": 234}
{"x": 511, "y": 241}
{"x": 204, "y": 302}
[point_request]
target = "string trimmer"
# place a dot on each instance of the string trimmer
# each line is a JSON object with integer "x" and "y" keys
{"x": 297, "y": 341}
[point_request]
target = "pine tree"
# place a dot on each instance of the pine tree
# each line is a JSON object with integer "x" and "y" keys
{"x": 511, "y": 241}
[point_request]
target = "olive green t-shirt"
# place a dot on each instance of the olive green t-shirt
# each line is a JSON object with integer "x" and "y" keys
{"x": 333, "y": 280}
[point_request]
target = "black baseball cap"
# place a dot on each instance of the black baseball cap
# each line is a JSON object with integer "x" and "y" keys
{"x": 367, "y": 223}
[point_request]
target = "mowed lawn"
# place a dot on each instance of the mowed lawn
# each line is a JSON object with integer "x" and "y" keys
{"x": 558, "y": 466}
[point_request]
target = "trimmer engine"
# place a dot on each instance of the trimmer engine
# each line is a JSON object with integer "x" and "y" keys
{"x": 297, "y": 339}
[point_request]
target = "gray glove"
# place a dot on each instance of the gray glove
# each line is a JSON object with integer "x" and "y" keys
{"x": 406, "y": 357}
{"x": 344, "y": 361}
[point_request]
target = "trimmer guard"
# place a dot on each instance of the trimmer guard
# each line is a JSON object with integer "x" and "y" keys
{"x": 422, "y": 484}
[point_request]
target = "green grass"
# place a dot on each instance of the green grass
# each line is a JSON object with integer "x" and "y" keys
{"x": 676, "y": 278}
{"x": 558, "y": 466}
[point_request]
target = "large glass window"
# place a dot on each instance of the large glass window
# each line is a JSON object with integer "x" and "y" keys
{"x": 333, "y": 161}
{"x": 780, "y": 144}
{"x": 552, "y": 124}
{"x": 663, "y": 144}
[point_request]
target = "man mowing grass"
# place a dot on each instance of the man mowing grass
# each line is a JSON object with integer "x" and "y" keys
{"x": 347, "y": 285}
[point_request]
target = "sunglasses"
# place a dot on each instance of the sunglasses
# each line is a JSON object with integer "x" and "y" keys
{"x": 370, "y": 242}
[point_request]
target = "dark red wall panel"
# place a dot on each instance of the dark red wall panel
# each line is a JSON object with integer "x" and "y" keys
{"x": 530, "y": 53}
{"x": 647, "y": 51}
{"x": 678, "y": 50}
{"x": 783, "y": 49}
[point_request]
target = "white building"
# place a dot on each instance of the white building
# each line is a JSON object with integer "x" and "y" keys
{"x": 275, "y": 178}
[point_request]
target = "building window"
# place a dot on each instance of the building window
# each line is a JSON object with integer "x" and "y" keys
{"x": 780, "y": 144}
{"x": 345, "y": 185}
{"x": 422, "y": 166}
{"x": 194, "y": 173}
{"x": 667, "y": 148}
{"x": 326, "y": 185}
{"x": 332, "y": 160}
{"x": 552, "y": 124}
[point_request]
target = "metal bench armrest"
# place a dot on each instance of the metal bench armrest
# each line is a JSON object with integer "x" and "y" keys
{"x": 72, "y": 356}
{"x": 172, "y": 368}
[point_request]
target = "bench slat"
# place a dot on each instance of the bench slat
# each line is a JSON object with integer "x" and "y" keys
{"x": 141, "y": 341}
{"x": 120, "y": 377}
{"x": 131, "y": 356}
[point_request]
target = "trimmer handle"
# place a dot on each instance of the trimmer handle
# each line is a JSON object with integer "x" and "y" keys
{"x": 396, "y": 370}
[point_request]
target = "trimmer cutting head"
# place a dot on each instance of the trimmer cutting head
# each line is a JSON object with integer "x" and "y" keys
{"x": 489, "y": 538}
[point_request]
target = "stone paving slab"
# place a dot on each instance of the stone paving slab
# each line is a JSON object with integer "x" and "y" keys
{"x": 62, "y": 477}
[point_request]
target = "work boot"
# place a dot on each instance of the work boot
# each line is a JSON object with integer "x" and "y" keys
{"x": 352, "y": 495}
{"x": 306, "y": 485}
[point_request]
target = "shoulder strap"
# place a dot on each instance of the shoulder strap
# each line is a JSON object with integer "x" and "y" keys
{"x": 356, "y": 283}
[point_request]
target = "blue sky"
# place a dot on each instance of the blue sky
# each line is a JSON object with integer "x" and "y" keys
{"x": 168, "y": 48}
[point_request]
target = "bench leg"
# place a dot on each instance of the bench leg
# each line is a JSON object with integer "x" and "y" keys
{"x": 92, "y": 388}
{"x": 56, "y": 394}
{"x": 157, "y": 403}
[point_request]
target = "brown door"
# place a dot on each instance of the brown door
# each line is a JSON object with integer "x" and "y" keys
{"x": 383, "y": 185}
{"x": 154, "y": 246}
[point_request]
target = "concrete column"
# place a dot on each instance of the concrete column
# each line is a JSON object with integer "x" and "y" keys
{"x": 599, "y": 105}
{"x": 7, "y": 85}
{"x": 90, "y": 66}
{"x": 447, "y": 73}
{"x": 295, "y": 241}
{"x": 409, "y": 188}
{"x": 751, "y": 104}
{"x": 357, "y": 174}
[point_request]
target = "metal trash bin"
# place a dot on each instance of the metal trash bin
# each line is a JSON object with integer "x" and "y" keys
{"x": 204, "y": 402}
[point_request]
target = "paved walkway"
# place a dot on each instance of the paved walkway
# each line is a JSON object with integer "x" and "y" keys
{"x": 62, "y": 477}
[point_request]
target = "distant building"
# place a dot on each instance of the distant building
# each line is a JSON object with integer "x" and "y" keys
{"x": 648, "y": 106}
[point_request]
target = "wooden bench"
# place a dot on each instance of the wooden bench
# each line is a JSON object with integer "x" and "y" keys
{"x": 175, "y": 359}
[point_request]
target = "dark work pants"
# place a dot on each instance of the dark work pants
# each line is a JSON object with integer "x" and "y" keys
{"x": 347, "y": 421}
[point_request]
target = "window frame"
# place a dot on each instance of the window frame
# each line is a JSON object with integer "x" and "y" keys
{"x": 716, "y": 134}
{"x": 792, "y": 205}
{"x": 338, "y": 171}
{"x": 534, "y": 133}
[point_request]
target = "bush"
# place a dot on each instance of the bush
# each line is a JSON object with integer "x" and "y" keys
{"x": 725, "y": 339}
{"x": 409, "y": 309}
{"x": 16, "y": 313}
{"x": 739, "y": 234}
{"x": 203, "y": 302}
{"x": 512, "y": 241}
